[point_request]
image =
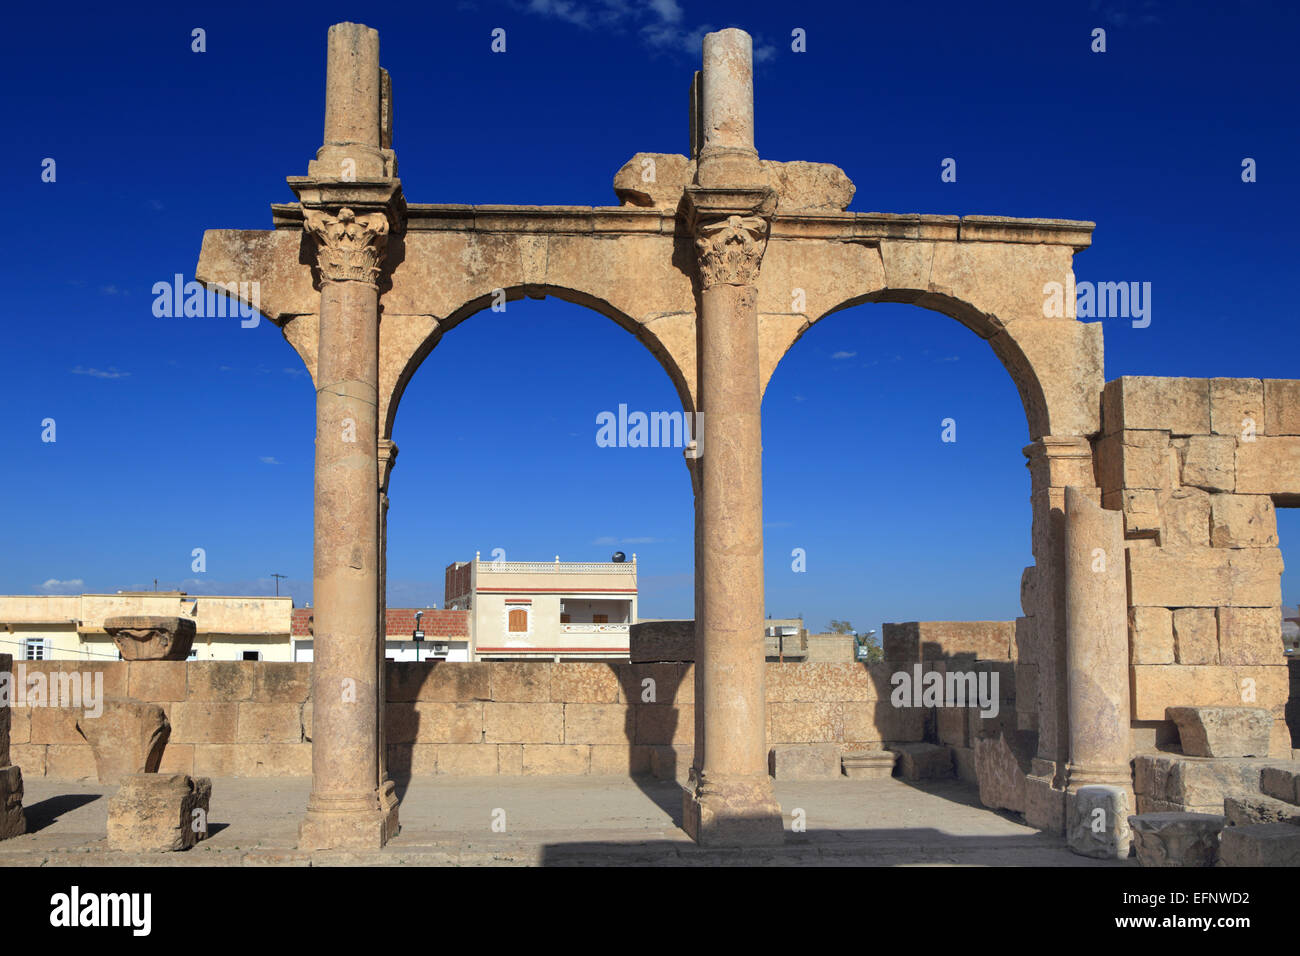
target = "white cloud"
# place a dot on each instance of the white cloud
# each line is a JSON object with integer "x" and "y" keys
{"x": 110, "y": 372}
{"x": 661, "y": 23}
{"x": 55, "y": 586}
{"x": 268, "y": 460}
{"x": 844, "y": 355}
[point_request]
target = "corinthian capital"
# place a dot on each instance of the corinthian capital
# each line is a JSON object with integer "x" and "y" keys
{"x": 730, "y": 250}
{"x": 349, "y": 248}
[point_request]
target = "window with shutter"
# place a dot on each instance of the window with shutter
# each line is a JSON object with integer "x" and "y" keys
{"x": 518, "y": 621}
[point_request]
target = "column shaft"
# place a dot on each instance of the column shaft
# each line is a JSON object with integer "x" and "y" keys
{"x": 1096, "y": 636}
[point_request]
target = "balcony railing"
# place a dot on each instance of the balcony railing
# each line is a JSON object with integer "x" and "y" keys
{"x": 594, "y": 628}
{"x": 552, "y": 567}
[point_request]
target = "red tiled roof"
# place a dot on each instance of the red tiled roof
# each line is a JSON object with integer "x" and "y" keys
{"x": 401, "y": 622}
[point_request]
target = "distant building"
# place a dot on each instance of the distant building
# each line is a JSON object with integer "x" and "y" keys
{"x": 544, "y": 610}
{"x": 37, "y": 627}
{"x": 444, "y": 635}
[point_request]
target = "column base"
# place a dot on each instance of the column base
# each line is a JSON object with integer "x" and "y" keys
{"x": 350, "y": 825}
{"x": 736, "y": 811}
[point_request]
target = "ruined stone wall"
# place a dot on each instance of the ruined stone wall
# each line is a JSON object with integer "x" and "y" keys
{"x": 246, "y": 718}
{"x": 1198, "y": 467}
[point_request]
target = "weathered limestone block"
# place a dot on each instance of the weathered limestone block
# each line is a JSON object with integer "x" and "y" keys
{"x": 1250, "y": 635}
{"x": 1236, "y": 406}
{"x": 1135, "y": 460}
{"x": 1210, "y": 462}
{"x": 1164, "y": 685}
{"x": 1179, "y": 405}
{"x": 1168, "y": 782}
{"x": 652, "y": 641}
{"x": 1002, "y": 762}
{"x": 923, "y": 761}
{"x": 1176, "y": 839}
{"x": 1141, "y": 510}
{"x": 1244, "y": 811}
{"x": 1097, "y": 822}
{"x": 1281, "y": 781}
{"x": 804, "y": 761}
{"x": 128, "y": 737}
{"x": 1196, "y": 635}
{"x": 868, "y": 764}
{"x": 1152, "y": 635}
{"x": 653, "y": 179}
{"x": 1281, "y": 407}
{"x": 145, "y": 637}
{"x": 659, "y": 180}
{"x": 158, "y": 813}
{"x": 934, "y": 640}
{"x": 1223, "y": 731}
{"x": 1243, "y": 521}
{"x": 12, "y": 821}
{"x": 1184, "y": 518}
{"x": 963, "y": 761}
{"x": 1261, "y": 844}
{"x": 1269, "y": 466}
{"x": 1206, "y": 577}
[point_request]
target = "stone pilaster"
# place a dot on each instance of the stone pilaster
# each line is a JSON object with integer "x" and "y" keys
{"x": 387, "y": 788}
{"x": 1054, "y": 463}
{"x": 730, "y": 799}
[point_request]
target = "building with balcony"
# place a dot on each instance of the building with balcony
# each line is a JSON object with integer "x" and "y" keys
{"x": 545, "y": 610}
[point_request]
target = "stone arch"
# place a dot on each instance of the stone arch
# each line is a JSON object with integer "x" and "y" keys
{"x": 993, "y": 289}
{"x": 412, "y": 339}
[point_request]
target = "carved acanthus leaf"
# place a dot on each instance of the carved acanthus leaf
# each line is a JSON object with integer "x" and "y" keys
{"x": 731, "y": 250}
{"x": 349, "y": 248}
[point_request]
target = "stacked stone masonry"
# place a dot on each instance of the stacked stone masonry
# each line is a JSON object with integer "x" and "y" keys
{"x": 1198, "y": 468}
{"x": 255, "y": 718}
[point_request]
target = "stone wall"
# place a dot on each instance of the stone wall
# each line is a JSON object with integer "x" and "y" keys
{"x": 248, "y": 718}
{"x": 1198, "y": 467}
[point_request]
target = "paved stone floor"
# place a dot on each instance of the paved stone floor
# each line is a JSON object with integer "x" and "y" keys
{"x": 558, "y": 821}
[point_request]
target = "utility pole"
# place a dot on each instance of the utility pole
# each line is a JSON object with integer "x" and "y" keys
{"x": 277, "y": 582}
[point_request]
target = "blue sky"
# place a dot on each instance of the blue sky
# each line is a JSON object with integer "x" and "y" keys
{"x": 175, "y": 434}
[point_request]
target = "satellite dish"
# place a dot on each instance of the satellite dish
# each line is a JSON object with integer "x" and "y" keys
{"x": 619, "y": 557}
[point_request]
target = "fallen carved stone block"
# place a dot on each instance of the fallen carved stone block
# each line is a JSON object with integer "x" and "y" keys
{"x": 1222, "y": 731}
{"x": 143, "y": 637}
{"x": 128, "y": 737}
{"x": 869, "y": 764}
{"x": 1177, "y": 839}
{"x": 159, "y": 813}
{"x": 1097, "y": 822}
{"x": 1261, "y": 844}
{"x": 1244, "y": 811}
{"x": 804, "y": 761}
{"x": 12, "y": 821}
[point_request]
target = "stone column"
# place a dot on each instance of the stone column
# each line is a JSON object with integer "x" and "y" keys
{"x": 730, "y": 802}
{"x": 349, "y": 210}
{"x": 1096, "y": 639}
